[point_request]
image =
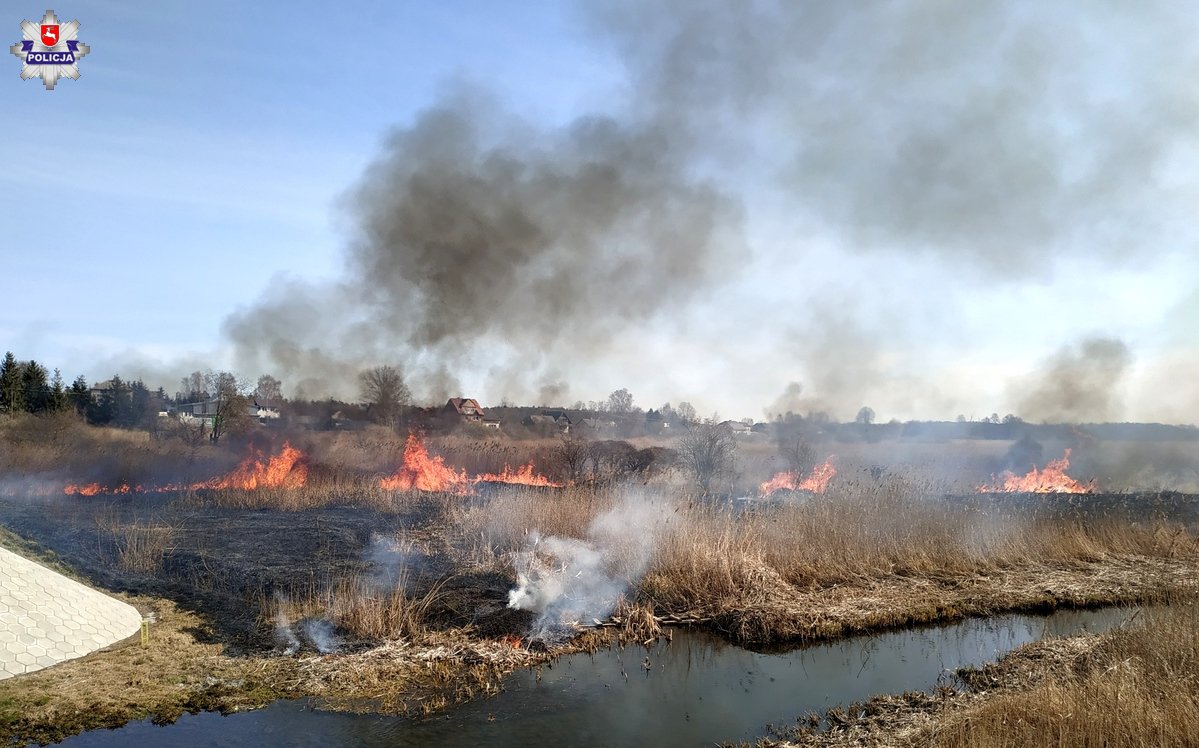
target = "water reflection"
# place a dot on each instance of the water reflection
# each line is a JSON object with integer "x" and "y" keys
{"x": 695, "y": 691}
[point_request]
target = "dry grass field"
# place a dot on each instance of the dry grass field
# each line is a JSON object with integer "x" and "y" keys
{"x": 899, "y": 537}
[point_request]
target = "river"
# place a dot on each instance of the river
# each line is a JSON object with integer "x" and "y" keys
{"x": 694, "y": 691}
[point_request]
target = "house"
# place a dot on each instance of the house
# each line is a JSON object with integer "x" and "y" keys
{"x": 739, "y": 428}
{"x": 203, "y": 413}
{"x": 552, "y": 419}
{"x": 465, "y": 408}
{"x": 100, "y": 389}
{"x": 596, "y": 425}
{"x": 262, "y": 413}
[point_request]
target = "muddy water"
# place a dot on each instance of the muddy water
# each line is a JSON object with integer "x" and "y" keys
{"x": 695, "y": 691}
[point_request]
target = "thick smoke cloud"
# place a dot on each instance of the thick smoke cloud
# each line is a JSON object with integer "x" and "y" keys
{"x": 999, "y": 141}
{"x": 994, "y": 134}
{"x": 1079, "y": 383}
{"x": 478, "y": 229}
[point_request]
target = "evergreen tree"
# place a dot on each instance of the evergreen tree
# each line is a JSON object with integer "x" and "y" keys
{"x": 11, "y": 392}
{"x": 80, "y": 395}
{"x": 112, "y": 406}
{"x": 35, "y": 390}
{"x": 58, "y": 393}
{"x": 138, "y": 413}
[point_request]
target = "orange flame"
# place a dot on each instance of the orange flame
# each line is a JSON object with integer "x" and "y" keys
{"x": 789, "y": 480}
{"x": 87, "y": 489}
{"x": 512, "y": 640}
{"x": 1052, "y": 479}
{"x": 524, "y": 476}
{"x": 424, "y": 473}
{"x": 284, "y": 470}
{"x": 95, "y": 489}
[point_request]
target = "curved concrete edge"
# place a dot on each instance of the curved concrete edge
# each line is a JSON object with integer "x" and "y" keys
{"x": 46, "y": 618}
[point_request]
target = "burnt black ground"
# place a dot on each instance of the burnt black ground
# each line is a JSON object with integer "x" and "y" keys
{"x": 228, "y": 564}
{"x": 1171, "y": 506}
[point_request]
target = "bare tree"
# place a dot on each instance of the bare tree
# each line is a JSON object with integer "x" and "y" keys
{"x": 385, "y": 394}
{"x": 798, "y": 454}
{"x": 686, "y": 412}
{"x": 620, "y": 401}
{"x": 269, "y": 390}
{"x": 571, "y": 456}
{"x": 230, "y": 404}
{"x": 194, "y": 387}
{"x": 707, "y": 451}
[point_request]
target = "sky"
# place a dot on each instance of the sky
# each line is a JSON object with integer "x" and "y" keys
{"x": 929, "y": 208}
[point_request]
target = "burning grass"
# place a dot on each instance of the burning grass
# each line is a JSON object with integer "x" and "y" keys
{"x": 287, "y": 470}
{"x": 811, "y": 572}
{"x": 855, "y": 559}
{"x": 1052, "y": 479}
{"x": 865, "y": 554}
{"x": 815, "y": 482}
{"x": 421, "y": 472}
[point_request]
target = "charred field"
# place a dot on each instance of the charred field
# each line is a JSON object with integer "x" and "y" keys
{"x": 406, "y": 600}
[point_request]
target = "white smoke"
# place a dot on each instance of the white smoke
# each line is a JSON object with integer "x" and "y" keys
{"x": 283, "y": 633}
{"x": 568, "y": 581}
{"x": 391, "y": 560}
{"x": 320, "y": 632}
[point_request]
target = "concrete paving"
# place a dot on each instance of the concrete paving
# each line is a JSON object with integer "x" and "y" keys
{"x": 46, "y": 618}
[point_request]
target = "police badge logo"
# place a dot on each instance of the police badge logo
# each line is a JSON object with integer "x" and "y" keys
{"x": 50, "y": 50}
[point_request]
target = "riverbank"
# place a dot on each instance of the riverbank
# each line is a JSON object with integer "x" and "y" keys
{"x": 1133, "y": 686}
{"x": 185, "y": 668}
{"x": 770, "y": 611}
{"x": 415, "y": 593}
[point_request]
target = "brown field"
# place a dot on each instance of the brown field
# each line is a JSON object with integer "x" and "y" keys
{"x": 900, "y": 537}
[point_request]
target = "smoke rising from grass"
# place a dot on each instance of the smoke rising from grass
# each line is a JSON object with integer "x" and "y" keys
{"x": 392, "y": 563}
{"x": 284, "y": 635}
{"x": 1079, "y": 383}
{"x": 322, "y": 634}
{"x": 569, "y": 580}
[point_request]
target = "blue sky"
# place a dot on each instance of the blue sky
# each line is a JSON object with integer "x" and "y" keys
{"x": 204, "y": 151}
{"x": 205, "y": 146}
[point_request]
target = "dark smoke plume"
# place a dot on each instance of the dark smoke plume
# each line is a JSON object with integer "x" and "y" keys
{"x": 1079, "y": 383}
{"x": 1002, "y": 140}
{"x": 480, "y": 230}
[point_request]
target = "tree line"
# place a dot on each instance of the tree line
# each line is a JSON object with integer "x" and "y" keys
{"x": 29, "y": 387}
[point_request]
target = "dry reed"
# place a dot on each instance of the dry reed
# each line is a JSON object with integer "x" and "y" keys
{"x": 1138, "y": 687}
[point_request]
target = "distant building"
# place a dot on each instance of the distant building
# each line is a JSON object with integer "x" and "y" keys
{"x": 465, "y": 408}
{"x": 263, "y": 413}
{"x": 550, "y": 419}
{"x": 203, "y": 413}
{"x": 739, "y": 428}
{"x": 595, "y": 425}
{"x": 100, "y": 389}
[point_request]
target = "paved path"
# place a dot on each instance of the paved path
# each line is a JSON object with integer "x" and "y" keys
{"x": 46, "y": 618}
